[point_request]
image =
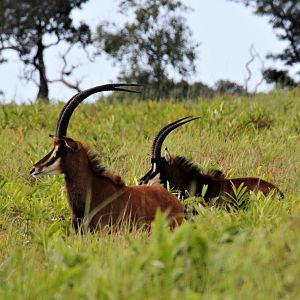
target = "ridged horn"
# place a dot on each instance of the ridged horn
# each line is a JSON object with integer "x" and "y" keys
{"x": 69, "y": 107}
{"x": 163, "y": 133}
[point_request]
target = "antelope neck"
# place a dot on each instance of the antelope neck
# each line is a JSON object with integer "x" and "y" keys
{"x": 78, "y": 185}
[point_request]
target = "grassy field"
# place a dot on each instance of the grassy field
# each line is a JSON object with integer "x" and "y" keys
{"x": 251, "y": 254}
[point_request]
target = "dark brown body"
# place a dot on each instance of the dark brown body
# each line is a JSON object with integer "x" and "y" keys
{"x": 112, "y": 201}
{"x": 187, "y": 178}
{"x": 184, "y": 176}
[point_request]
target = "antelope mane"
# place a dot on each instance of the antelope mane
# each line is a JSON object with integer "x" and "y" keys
{"x": 98, "y": 169}
{"x": 189, "y": 168}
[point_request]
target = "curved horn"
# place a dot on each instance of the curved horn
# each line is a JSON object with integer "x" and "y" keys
{"x": 69, "y": 107}
{"x": 162, "y": 130}
{"x": 163, "y": 133}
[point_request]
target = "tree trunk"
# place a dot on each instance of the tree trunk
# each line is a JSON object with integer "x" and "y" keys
{"x": 40, "y": 66}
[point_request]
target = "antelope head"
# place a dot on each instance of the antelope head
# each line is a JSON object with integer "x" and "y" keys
{"x": 68, "y": 153}
{"x": 159, "y": 169}
{"x": 59, "y": 158}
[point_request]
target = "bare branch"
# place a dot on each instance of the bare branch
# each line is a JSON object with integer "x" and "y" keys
{"x": 65, "y": 72}
{"x": 89, "y": 57}
{"x": 252, "y": 58}
{"x": 29, "y": 76}
{"x": 262, "y": 69}
{"x": 253, "y": 55}
{"x": 9, "y": 47}
{"x": 52, "y": 44}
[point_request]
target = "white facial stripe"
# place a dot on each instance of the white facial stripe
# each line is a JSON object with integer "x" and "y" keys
{"x": 167, "y": 155}
{"x": 155, "y": 180}
{"x": 53, "y": 152}
{"x": 49, "y": 170}
{"x": 55, "y": 166}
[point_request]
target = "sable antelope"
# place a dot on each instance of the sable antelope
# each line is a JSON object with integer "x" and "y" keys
{"x": 95, "y": 194}
{"x": 187, "y": 178}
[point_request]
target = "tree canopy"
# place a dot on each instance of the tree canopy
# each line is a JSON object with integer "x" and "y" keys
{"x": 24, "y": 26}
{"x": 229, "y": 87}
{"x": 284, "y": 16}
{"x": 280, "y": 78}
{"x": 151, "y": 47}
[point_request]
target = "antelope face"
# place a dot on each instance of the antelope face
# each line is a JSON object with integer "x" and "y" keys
{"x": 152, "y": 177}
{"x": 51, "y": 164}
{"x": 157, "y": 173}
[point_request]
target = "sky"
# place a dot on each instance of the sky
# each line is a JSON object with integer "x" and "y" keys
{"x": 225, "y": 31}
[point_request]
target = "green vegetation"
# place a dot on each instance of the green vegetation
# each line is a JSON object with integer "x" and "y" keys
{"x": 246, "y": 254}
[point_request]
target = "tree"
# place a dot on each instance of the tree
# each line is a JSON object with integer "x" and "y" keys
{"x": 184, "y": 90}
{"x": 29, "y": 27}
{"x": 155, "y": 44}
{"x": 281, "y": 78}
{"x": 229, "y": 87}
{"x": 285, "y": 18}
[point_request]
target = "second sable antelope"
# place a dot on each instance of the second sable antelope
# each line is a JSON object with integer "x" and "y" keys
{"x": 96, "y": 195}
{"x": 187, "y": 178}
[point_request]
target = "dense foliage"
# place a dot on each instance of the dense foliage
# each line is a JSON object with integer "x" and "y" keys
{"x": 250, "y": 254}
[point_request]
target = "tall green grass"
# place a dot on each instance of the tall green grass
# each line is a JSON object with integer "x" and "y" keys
{"x": 248, "y": 254}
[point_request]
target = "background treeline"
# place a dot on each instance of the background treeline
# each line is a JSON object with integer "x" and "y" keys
{"x": 153, "y": 46}
{"x": 184, "y": 90}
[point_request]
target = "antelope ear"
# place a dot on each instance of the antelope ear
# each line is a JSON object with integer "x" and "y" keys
{"x": 167, "y": 155}
{"x": 71, "y": 144}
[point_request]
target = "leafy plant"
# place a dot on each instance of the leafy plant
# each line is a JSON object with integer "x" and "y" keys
{"x": 239, "y": 199}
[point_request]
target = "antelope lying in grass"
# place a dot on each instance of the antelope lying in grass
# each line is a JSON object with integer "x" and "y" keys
{"x": 95, "y": 195}
{"x": 187, "y": 178}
